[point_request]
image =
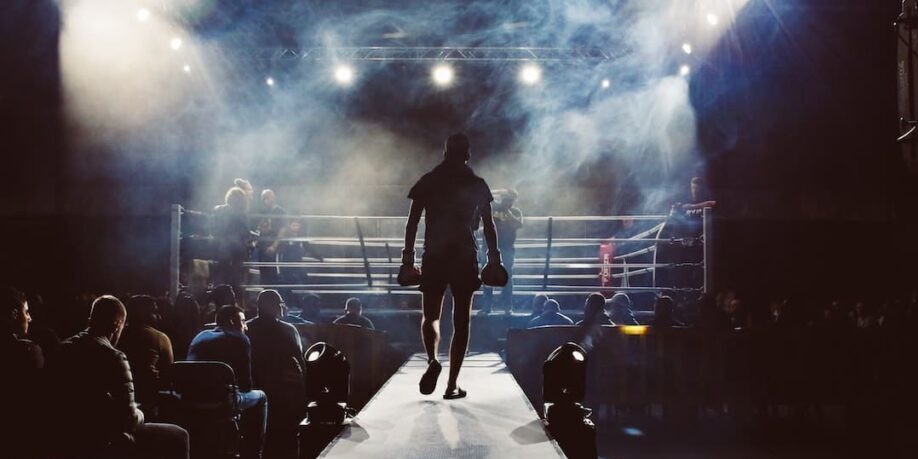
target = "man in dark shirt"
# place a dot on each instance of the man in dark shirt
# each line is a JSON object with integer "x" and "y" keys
{"x": 620, "y": 310}
{"x": 551, "y": 316}
{"x": 148, "y": 350}
{"x": 268, "y": 228}
{"x": 508, "y": 220}
{"x": 227, "y": 343}
{"x": 22, "y": 361}
{"x": 454, "y": 201}
{"x": 233, "y": 238}
{"x": 277, "y": 368}
{"x": 97, "y": 388}
{"x": 353, "y": 315}
{"x": 663, "y": 309}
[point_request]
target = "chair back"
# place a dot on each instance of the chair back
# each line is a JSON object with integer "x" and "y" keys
{"x": 205, "y": 386}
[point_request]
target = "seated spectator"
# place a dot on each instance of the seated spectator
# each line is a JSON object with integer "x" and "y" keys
{"x": 17, "y": 353}
{"x": 184, "y": 324}
{"x": 621, "y": 313}
{"x": 227, "y": 343}
{"x": 663, "y": 309}
{"x": 277, "y": 368}
{"x": 97, "y": 389}
{"x": 538, "y": 306}
{"x": 711, "y": 317}
{"x": 353, "y": 315}
{"x": 294, "y": 314}
{"x": 594, "y": 311}
{"x": 23, "y": 361}
{"x": 861, "y": 316}
{"x": 148, "y": 350}
{"x": 221, "y": 295}
{"x": 551, "y": 316}
{"x": 41, "y": 331}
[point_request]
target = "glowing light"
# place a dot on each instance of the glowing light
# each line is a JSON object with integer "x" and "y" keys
{"x": 186, "y": 68}
{"x": 633, "y": 432}
{"x": 175, "y": 43}
{"x": 684, "y": 70}
{"x": 634, "y": 329}
{"x": 269, "y": 81}
{"x": 313, "y": 356}
{"x": 687, "y": 48}
{"x": 712, "y": 19}
{"x": 578, "y": 356}
{"x": 530, "y": 74}
{"x": 344, "y": 74}
{"x": 443, "y": 75}
{"x": 606, "y": 83}
{"x": 143, "y": 15}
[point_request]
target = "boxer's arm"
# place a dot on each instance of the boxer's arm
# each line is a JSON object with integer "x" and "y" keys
{"x": 411, "y": 229}
{"x": 490, "y": 233}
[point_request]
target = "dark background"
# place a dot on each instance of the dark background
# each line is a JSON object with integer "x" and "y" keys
{"x": 797, "y": 121}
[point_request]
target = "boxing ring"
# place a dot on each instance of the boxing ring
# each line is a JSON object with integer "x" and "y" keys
{"x": 360, "y": 255}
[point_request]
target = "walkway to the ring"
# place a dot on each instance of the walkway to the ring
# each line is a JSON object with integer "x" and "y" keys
{"x": 494, "y": 421}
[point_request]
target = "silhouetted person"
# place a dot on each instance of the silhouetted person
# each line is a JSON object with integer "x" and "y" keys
{"x": 293, "y": 314}
{"x": 454, "y": 200}
{"x": 184, "y": 324}
{"x": 507, "y": 220}
{"x": 21, "y": 361}
{"x": 353, "y": 315}
{"x": 227, "y": 343}
{"x": 663, "y": 308}
{"x": 551, "y": 316}
{"x": 268, "y": 228}
{"x": 97, "y": 390}
{"x": 538, "y": 306}
{"x": 277, "y": 369}
{"x": 233, "y": 238}
{"x": 41, "y": 328}
{"x": 621, "y": 313}
{"x": 148, "y": 350}
{"x": 594, "y": 311}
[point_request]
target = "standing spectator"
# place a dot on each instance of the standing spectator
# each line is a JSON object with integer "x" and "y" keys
{"x": 227, "y": 343}
{"x": 551, "y": 316}
{"x": 507, "y": 220}
{"x": 148, "y": 350}
{"x": 232, "y": 237}
{"x": 277, "y": 368}
{"x": 621, "y": 313}
{"x": 97, "y": 386}
{"x": 268, "y": 228}
{"x": 353, "y": 315}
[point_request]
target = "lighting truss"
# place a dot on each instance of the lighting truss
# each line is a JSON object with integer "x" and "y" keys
{"x": 422, "y": 54}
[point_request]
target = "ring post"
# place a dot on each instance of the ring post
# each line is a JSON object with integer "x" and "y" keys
{"x": 175, "y": 244}
{"x": 547, "y": 255}
{"x": 363, "y": 252}
{"x": 707, "y": 232}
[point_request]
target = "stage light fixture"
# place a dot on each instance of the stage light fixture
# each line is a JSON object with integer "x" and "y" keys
{"x": 606, "y": 83}
{"x": 530, "y": 74}
{"x": 684, "y": 70}
{"x": 443, "y": 75}
{"x": 269, "y": 81}
{"x": 712, "y": 19}
{"x": 175, "y": 43}
{"x": 563, "y": 389}
{"x": 143, "y": 15}
{"x": 327, "y": 376}
{"x": 687, "y": 48}
{"x": 344, "y": 74}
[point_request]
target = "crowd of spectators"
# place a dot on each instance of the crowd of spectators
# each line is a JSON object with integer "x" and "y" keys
{"x": 106, "y": 378}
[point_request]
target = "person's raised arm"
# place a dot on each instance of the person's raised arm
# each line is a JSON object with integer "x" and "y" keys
{"x": 490, "y": 234}
{"x": 411, "y": 231}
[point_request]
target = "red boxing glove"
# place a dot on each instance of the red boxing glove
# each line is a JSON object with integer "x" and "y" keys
{"x": 409, "y": 275}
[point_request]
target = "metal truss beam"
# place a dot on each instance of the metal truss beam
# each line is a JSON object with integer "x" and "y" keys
{"x": 425, "y": 54}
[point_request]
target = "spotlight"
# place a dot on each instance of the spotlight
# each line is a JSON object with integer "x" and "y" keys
{"x": 143, "y": 15}
{"x": 186, "y": 68}
{"x": 712, "y": 19}
{"x": 175, "y": 43}
{"x": 687, "y": 48}
{"x": 443, "y": 75}
{"x": 269, "y": 81}
{"x": 344, "y": 74}
{"x": 606, "y": 83}
{"x": 684, "y": 70}
{"x": 327, "y": 376}
{"x": 530, "y": 74}
{"x": 563, "y": 389}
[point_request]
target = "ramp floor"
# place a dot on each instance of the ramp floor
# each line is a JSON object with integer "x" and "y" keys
{"x": 494, "y": 421}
